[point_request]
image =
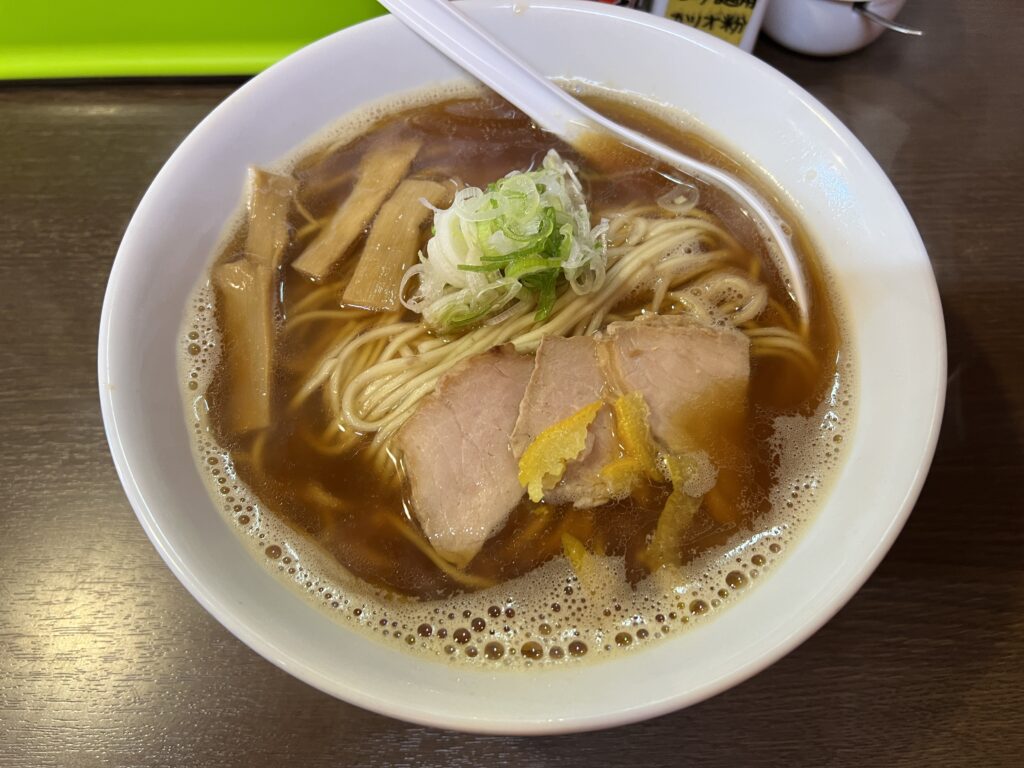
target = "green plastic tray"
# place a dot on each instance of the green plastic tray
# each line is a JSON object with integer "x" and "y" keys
{"x": 113, "y": 38}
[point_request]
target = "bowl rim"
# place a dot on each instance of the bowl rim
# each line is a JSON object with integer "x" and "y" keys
{"x": 207, "y": 595}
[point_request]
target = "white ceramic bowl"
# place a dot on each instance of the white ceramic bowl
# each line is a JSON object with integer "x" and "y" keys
{"x": 872, "y": 249}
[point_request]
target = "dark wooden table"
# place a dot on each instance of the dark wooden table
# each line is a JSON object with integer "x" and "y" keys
{"x": 105, "y": 659}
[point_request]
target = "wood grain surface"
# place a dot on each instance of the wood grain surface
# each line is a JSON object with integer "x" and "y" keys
{"x": 106, "y": 660}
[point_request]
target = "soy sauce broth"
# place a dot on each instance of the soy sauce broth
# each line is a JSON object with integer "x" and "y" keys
{"x": 340, "y": 502}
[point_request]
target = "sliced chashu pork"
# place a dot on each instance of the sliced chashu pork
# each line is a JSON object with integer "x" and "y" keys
{"x": 455, "y": 452}
{"x": 693, "y": 378}
{"x": 460, "y": 448}
{"x": 568, "y": 375}
{"x": 695, "y": 383}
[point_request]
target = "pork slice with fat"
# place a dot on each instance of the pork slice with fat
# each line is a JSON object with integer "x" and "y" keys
{"x": 462, "y": 475}
{"x": 568, "y": 376}
{"x": 693, "y": 378}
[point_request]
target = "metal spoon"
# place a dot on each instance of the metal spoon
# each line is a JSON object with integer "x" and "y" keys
{"x": 861, "y": 7}
{"x": 867, "y": 13}
{"x": 451, "y": 32}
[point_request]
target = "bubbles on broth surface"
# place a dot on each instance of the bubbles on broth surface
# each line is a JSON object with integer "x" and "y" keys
{"x": 546, "y": 616}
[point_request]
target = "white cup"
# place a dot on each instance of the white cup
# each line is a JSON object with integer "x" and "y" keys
{"x": 825, "y": 27}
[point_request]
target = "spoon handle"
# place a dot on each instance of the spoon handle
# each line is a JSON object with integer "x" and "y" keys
{"x": 492, "y": 63}
{"x": 867, "y": 13}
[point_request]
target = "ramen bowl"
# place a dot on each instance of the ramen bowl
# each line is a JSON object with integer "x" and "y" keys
{"x": 872, "y": 252}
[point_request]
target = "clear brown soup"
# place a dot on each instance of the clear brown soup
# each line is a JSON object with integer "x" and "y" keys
{"x": 477, "y": 140}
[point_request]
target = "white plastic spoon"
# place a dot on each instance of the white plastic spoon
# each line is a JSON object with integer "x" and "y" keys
{"x": 451, "y": 32}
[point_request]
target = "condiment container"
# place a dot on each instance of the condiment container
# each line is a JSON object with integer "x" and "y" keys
{"x": 826, "y": 27}
{"x": 737, "y": 21}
